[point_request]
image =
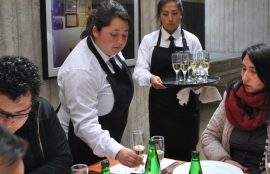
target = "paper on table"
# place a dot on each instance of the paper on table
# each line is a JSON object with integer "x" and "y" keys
{"x": 121, "y": 169}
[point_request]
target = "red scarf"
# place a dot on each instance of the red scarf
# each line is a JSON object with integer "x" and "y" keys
{"x": 238, "y": 116}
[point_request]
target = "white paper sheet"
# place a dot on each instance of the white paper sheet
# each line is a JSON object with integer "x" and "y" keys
{"x": 120, "y": 169}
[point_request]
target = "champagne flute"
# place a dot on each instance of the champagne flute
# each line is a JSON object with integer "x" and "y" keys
{"x": 200, "y": 71}
{"x": 205, "y": 63}
{"x": 184, "y": 63}
{"x": 267, "y": 160}
{"x": 176, "y": 65}
{"x": 191, "y": 68}
{"x": 138, "y": 144}
{"x": 194, "y": 63}
{"x": 79, "y": 169}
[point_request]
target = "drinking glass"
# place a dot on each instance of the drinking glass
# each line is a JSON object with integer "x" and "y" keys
{"x": 267, "y": 160}
{"x": 199, "y": 71}
{"x": 176, "y": 65}
{"x": 138, "y": 142}
{"x": 194, "y": 63}
{"x": 191, "y": 56}
{"x": 160, "y": 146}
{"x": 205, "y": 63}
{"x": 184, "y": 63}
{"x": 79, "y": 169}
{"x": 138, "y": 145}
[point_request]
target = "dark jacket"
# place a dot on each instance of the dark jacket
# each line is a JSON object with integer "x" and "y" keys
{"x": 48, "y": 147}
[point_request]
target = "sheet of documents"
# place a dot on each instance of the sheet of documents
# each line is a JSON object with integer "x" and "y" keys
{"x": 120, "y": 169}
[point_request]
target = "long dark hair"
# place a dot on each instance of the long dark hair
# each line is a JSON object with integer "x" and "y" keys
{"x": 259, "y": 55}
{"x": 103, "y": 15}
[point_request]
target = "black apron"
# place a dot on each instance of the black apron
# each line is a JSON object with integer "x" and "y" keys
{"x": 178, "y": 124}
{"x": 115, "y": 121}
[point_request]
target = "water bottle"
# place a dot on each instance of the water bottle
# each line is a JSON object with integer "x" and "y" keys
{"x": 152, "y": 165}
{"x": 105, "y": 167}
{"x": 195, "y": 166}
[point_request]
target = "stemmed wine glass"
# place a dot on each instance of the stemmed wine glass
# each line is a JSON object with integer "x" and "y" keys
{"x": 176, "y": 65}
{"x": 205, "y": 63}
{"x": 194, "y": 63}
{"x": 191, "y": 69}
{"x": 184, "y": 63}
{"x": 138, "y": 144}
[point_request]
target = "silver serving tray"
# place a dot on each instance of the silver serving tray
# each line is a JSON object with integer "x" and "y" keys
{"x": 171, "y": 83}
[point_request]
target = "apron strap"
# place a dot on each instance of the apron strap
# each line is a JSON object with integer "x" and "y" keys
{"x": 98, "y": 56}
{"x": 159, "y": 38}
{"x": 184, "y": 41}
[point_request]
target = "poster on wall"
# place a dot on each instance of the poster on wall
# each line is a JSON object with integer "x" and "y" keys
{"x": 63, "y": 21}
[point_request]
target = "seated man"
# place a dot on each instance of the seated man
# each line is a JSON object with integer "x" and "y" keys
{"x": 32, "y": 118}
{"x": 12, "y": 149}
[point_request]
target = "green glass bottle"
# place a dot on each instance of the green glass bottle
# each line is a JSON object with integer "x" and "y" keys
{"x": 152, "y": 165}
{"x": 195, "y": 166}
{"x": 105, "y": 167}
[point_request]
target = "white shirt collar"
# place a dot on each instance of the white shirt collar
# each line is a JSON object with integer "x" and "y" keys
{"x": 103, "y": 55}
{"x": 165, "y": 35}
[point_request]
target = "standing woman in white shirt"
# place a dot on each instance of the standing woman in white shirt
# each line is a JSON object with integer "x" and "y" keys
{"x": 178, "y": 124}
{"x": 95, "y": 96}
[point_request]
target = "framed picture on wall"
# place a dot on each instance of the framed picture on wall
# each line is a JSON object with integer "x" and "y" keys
{"x": 71, "y": 20}
{"x": 61, "y": 30}
{"x": 71, "y": 6}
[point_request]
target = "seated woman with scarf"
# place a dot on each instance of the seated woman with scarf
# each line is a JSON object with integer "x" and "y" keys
{"x": 238, "y": 130}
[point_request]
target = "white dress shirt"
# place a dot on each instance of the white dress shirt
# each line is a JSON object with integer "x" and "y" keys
{"x": 142, "y": 72}
{"x": 86, "y": 94}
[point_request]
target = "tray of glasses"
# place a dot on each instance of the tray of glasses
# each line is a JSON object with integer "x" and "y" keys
{"x": 211, "y": 80}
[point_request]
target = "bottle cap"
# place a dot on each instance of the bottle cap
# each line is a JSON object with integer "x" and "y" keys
{"x": 195, "y": 153}
{"x": 105, "y": 163}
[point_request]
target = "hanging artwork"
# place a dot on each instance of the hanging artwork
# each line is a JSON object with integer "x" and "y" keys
{"x": 62, "y": 22}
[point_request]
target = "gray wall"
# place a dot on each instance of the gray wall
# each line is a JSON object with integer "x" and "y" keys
{"x": 231, "y": 25}
{"x": 20, "y": 35}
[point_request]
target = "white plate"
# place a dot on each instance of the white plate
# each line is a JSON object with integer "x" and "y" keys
{"x": 210, "y": 167}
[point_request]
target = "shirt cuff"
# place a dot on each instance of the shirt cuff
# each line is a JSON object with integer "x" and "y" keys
{"x": 146, "y": 81}
{"x": 115, "y": 148}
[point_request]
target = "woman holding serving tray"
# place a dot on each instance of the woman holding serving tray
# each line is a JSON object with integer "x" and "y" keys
{"x": 166, "y": 116}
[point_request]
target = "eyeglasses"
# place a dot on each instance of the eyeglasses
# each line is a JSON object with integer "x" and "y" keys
{"x": 14, "y": 116}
